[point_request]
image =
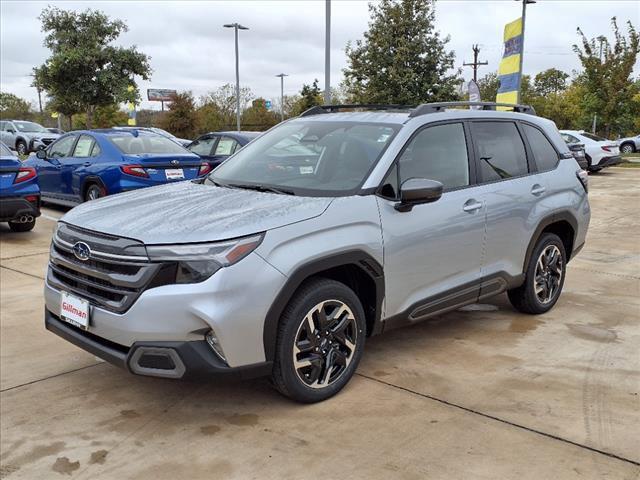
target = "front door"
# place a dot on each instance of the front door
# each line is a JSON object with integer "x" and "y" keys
{"x": 433, "y": 253}
{"x": 50, "y": 170}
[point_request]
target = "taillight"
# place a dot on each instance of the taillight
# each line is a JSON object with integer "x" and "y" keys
{"x": 606, "y": 148}
{"x": 204, "y": 169}
{"x": 24, "y": 174}
{"x": 583, "y": 176}
{"x": 135, "y": 170}
{"x": 32, "y": 198}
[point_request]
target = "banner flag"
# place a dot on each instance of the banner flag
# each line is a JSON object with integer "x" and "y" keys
{"x": 474, "y": 94}
{"x": 509, "y": 72}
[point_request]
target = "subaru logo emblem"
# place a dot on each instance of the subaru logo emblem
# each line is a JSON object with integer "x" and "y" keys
{"x": 175, "y": 162}
{"x": 82, "y": 251}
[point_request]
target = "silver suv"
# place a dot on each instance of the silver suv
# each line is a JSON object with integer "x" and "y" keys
{"x": 332, "y": 227}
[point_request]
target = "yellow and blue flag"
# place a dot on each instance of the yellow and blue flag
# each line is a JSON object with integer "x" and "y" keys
{"x": 509, "y": 72}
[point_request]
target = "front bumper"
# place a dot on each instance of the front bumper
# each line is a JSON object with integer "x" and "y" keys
{"x": 12, "y": 208}
{"x": 178, "y": 360}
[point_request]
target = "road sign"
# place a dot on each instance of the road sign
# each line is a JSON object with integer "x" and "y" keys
{"x": 267, "y": 103}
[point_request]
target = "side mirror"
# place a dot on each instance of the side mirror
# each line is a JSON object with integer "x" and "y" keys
{"x": 41, "y": 154}
{"x": 416, "y": 191}
{"x": 11, "y": 130}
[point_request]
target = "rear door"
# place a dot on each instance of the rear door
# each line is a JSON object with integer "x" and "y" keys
{"x": 433, "y": 253}
{"x": 514, "y": 196}
{"x": 50, "y": 170}
{"x": 225, "y": 147}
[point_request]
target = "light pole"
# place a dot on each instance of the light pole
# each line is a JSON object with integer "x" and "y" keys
{"x": 282, "y": 75}
{"x": 327, "y": 54}
{"x": 236, "y": 27}
{"x": 524, "y": 16}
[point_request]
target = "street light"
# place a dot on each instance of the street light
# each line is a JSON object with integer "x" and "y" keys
{"x": 236, "y": 27}
{"x": 282, "y": 75}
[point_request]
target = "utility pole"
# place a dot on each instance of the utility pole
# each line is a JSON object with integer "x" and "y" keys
{"x": 524, "y": 16}
{"x": 327, "y": 53}
{"x": 475, "y": 64}
{"x": 236, "y": 27}
{"x": 38, "y": 89}
{"x": 282, "y": 75}
{"x": 594, "y": 125}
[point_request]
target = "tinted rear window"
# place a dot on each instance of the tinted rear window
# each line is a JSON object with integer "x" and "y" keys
{"x": 145, "y": 143}
{"x": 544, "y": 153}
{"x": 500, "y": 150}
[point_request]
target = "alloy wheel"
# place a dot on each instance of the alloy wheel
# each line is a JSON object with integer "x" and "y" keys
{"x": 548, "y": 276}
{"x": 325, "y": 343}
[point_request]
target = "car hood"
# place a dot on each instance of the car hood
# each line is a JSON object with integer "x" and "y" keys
{"x": 38, "y": 135}
{"x": 188, "y": 212}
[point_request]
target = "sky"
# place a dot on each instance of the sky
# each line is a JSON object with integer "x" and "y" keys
{"x": 190, "y": 50}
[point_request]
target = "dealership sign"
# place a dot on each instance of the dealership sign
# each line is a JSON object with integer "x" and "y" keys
{"x": 160, "y": 94}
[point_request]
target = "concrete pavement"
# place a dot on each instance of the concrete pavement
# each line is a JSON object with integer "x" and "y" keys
{"x": 480, "y": 393}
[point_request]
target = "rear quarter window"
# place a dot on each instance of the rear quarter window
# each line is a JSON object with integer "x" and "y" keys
{"x": 544, "y": 154}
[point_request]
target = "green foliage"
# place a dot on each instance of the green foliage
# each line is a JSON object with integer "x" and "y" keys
{"x": 85, "y": 71}
{"x": 310, "y": 96}
{"x": 258, "y": 117}
{"x": 550, "y": 81}
{"x": 609, "y": 87}
{"x": 488, "y": 86}
{"x": 14, "y": 107}
{"x": 402, "y": 58}
{"x": 104, "y": 117}
{"x": 218, "y": 108}
{"x": 181, "y": 119}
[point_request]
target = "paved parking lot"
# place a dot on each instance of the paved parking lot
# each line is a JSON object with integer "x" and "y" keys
{"x": 480, "y": 393}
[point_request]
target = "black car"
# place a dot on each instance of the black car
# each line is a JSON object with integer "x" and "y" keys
{"x": 215, "y": 147}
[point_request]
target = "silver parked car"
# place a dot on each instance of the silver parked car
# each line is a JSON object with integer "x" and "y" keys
{"x": 629, "y": 144}
{"x": 331, "y": 227}
{"x": 25, "y": 137}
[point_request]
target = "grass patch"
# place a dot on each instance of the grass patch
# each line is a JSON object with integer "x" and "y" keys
{"x": 627, "y": 164}
{"x": 631, "y": 155}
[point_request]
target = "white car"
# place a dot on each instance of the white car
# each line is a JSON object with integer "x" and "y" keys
{"x": 599, "y": 151}
{"x": 629, "y": 144}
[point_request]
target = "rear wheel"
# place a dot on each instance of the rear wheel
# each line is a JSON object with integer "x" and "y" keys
{"x": 21, "y": 147}
{"x": 320, "y": 341}
{"x": 22, "y": 226}
{"x": 94, "y": 191}
{"x": 544, "y": 277}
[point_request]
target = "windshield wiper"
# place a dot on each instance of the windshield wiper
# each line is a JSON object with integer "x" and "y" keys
{"x": 262, "y": 188}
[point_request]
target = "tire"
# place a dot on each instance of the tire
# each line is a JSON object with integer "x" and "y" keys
{"x": 22, "y": 227}
{"x": 21, "y": 147}
{"x": 93, "y": 192}
{"x": 310, "y": 380}
{"x": 627, "y": 148}
{"x": 526, "y": 298}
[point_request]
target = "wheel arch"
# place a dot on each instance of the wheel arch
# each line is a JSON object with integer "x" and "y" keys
{"x": 629, "y": 142}
{"x": 356, "y": 269}
{"x": 564, "y": 224}
{"x": 90, "y": 180}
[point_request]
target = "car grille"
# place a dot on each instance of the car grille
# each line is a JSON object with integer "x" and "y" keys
{"x": 47, "y": 141}
{"x": 107, "y": 279}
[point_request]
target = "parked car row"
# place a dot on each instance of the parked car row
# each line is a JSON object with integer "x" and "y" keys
{"x": 599, "y": 152}
{"x": 19, "y": 192}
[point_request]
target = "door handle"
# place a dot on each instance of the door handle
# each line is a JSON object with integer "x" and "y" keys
{"x": 86, "y": 164}
{"x": 471, "y": 206}
{"x": 538, "y": 189}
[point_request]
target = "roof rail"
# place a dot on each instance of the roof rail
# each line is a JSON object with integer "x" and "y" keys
{"x": 441, "y": 106}
{"x": 318, "y": 109}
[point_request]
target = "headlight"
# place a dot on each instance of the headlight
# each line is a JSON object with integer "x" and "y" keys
{"x": 197, "y": 262}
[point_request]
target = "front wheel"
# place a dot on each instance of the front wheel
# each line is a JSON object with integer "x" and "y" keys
{"x": 627, "y": 148}
{"x": 320, "y": 341}
{"x": 544, "y": 277}
{"x": 21, "y": 148}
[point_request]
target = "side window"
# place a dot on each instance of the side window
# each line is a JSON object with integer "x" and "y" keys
{"x": 62, "y": 148}
{"x": 437, "y": 153}
{"x": 226, "y": 146}
{"x": 3, "y": 126}
{"x": 83, "y": 147}
{"x": 501, "y": 151}
{"x": 390, "y": 185}
{"x": 96, "y": 150}
{"x": 544, "y": 153}
{"x": 204, "y": 146}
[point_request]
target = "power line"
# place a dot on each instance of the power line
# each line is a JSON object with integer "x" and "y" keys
{"x": 475, "y": 64}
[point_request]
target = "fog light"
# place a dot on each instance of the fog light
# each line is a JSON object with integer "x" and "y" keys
{"x": 214, "y": 343}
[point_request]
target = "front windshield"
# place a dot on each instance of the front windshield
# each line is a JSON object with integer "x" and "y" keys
{"x": 29, "y": 127}
{"x": 309, "y": 157}
{"x": 5, "y": 152}
{"x": 145, "y": 143}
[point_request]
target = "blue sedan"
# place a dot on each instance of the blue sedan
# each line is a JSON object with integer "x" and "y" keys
{"x": 89, "y": 164}
{"x": 19, "y": 192}
{"x": 216, "y": 147}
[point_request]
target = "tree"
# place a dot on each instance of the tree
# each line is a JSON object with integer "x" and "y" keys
{"x": 310, "y": 96}
{"x": 258, "y": 117}
{"x": 550, "y": 81}
{"x": 85, "y": 71}
{"x": 607, "y": 69}
{"x": 14, "y": 107}
{"x": 220, "y": 104}
{"x": 488, "y": 86}
{"x": 402, "y": 58}
{"x": 181, "y": 119}
{"x": 104, "y": 117}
